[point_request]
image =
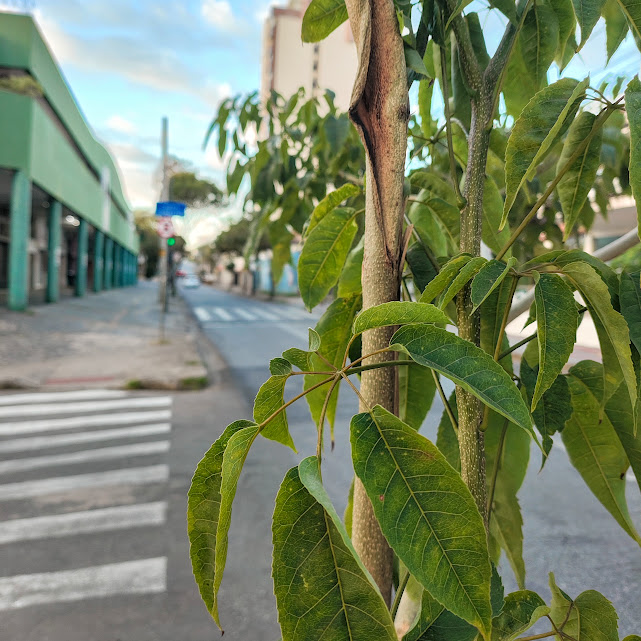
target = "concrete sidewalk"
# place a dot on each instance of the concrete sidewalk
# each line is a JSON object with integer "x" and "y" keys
{"x": 110, "y": 339}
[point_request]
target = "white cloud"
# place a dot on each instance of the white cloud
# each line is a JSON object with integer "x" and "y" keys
{"x": 121, "y": 125}
{"x": 219, "y": 14}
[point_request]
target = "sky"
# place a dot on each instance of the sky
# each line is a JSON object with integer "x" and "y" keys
{"x": 129, "y": 63}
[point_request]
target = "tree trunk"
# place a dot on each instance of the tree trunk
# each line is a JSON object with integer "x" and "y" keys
{"x": 470, "y": 409}
{"x": 380, "y": 110}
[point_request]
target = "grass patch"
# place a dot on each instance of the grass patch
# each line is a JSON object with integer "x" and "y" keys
{"x": 133, "y": 384}
{"x": 193, "y": 383}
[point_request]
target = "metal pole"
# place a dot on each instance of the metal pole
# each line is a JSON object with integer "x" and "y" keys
{"x": 162, "y": 242}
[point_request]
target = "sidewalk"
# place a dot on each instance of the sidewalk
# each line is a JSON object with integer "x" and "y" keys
{"x": 110, "y": 339}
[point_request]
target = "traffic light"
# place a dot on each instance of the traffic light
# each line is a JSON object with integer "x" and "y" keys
{"x": 171, "y": 242}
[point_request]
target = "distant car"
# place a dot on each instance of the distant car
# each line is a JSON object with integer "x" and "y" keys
{"x": 191, "y": 282}
{"x": 181, "y": 273}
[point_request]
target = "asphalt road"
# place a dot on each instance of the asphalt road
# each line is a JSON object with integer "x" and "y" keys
{"x": 93, "y": 540}
{"x": 566, "y": 529}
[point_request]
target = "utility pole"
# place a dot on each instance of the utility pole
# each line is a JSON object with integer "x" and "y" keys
{"x": 162, "y": 242}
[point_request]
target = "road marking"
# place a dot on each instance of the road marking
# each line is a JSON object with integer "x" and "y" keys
{"x": 244, "y": 314}
{"x": 14, "y": 399}
{"x": 130, "y": 476}
{"x": 87, "y": 521}
{"x": 295, "y": 312}
{"x": 42, "y": 442}
{"x": 84, "y": 406}
{"x": 74, "y": 458}
{"x": 146, "y": 576}
{"x": 222, "y": 313}
{"x": 265, "y": 315}
{"x": 50, "y": 425}
{"x": 202, "y": 314}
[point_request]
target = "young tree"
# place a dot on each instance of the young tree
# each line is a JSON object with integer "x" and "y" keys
{"x": 442, "y": 513}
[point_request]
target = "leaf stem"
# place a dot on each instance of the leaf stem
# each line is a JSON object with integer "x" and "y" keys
{"x": 364, "y": 368}
{"x": 514, "y": 347}
{"x": 448, "y": 122}
{"x": 598, "y": 123}
{"x": 319, "y": 441}
{"x": 293, "y": 400}
{"x": 544, "y": 635}
{"x": 504, "y": 321}
{"x": 399, "y": 593}
{"x": 495, "y": 471}
{"x": 446, "y": 403}
{"x": 366, "y": 405}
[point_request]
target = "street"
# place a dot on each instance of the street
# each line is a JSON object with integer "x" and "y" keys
{"x": 93, "y": 485}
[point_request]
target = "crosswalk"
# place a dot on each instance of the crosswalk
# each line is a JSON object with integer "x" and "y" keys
{"x": 250, "y": 314}
{"x": 81, "y": 471}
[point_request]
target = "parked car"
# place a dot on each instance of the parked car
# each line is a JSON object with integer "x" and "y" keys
{"x": 181, "y": 273}
{"x": 191, "y": 282}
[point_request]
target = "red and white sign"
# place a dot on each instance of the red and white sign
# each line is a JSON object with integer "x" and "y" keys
{"x": 165, "y": 228}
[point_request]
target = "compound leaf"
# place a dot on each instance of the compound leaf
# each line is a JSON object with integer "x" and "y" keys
{"x": 398, "y": 313}
{"x": 321, "y": 18}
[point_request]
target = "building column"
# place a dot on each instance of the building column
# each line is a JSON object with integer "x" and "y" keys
{"x": 53, "y": 251}
{"x": 116, "y": 269}
{"x": 109, "y": 258}
{"x": 98, "y": 260}
{"x": 20, "y": 229}
{"x": 83, "y": 258}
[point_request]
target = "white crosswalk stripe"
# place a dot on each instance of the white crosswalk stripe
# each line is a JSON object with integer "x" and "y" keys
{"x": 85, "y": 450}
{"x": 252, "y": 314}
{"x": 146, "y": 576}
{"x": 202, "y": 314}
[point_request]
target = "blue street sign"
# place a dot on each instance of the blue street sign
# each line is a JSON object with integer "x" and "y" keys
{"x": 170, "y": 208}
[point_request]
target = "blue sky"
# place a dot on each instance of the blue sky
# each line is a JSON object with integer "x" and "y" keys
{"x": 130, "y": 63}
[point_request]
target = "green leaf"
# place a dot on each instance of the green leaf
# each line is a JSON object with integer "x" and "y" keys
{"x": 321, "y": 18}
{"x": 444, "y": 277}
{"x": 596, "y": 453}
{"x": 233, "y": 460}
{"x": 280, "y": 367}
{"x": 330, "y": 202}
{"x": 398, "y": 313}
{"x": 596, "y": 620}
{"x": 321, "y": 588}
{"x": 334, "y": 331}
{"x": 632, "y": 12}
{"x": 435, "y": 623}
{"x": 630, "y": 298}
{"x": 466, "y": 365}
{"x": 414, "y": 61}
{"x": 416, "y": 390}
{"x": 423, "y": 271}
{"x": 298, "y": 358}
{"x": 616, "y": 26}
{"x": 536, "y": 129}
{"x": 506, "y": 523}
{"x": 539, "y": 39}
{"x": 314, "y": 340}
{"x": 607, "y": 274}
{"x": 611, "y": 328}
{"x": 488, "y": 279}
{"x": 268, "y": 400}
{"x": 587, "y": 13}
{"x": 426, "y": 513}
{"x": 521, "y": 611}
{"x": 467, "y": 272}
{"x": 567, "y": 24}
{"x": 349, "y": 282}
{"x": 429, "y": 228}
{"x": 431, "y": 182}
{"x": 446, "y": 438}
{"x": 556, "y": 319}
{"x": 617, "y": 410}
{"x": 554, "y": 408}
{"x": 562, "y": 610}
{"x": 323, "y": 255}
{"x": 492, "y": 313}
{"x": 425, "y": 91}
{"x": 633, "y": 111}
{"x": 349, "y": 509}
{"x": 575, "y": 185}
{"x": 492, "y": 214}
{"x": 203, "y": 512}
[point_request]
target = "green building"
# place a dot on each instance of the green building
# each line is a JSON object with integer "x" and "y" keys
{"x": 65, "y": 226}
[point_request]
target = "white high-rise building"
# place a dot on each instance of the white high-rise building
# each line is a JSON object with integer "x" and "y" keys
{"x": 288, "y": 63}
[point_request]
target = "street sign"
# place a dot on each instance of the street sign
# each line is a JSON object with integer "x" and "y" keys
{"x": 165, "y": 228}
{"x": 170, "y": 208}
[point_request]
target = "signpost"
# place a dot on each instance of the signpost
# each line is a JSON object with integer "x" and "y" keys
{"x": 165, "y": 228}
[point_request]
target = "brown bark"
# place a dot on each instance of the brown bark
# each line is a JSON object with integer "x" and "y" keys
{"x": 380, "y": 110}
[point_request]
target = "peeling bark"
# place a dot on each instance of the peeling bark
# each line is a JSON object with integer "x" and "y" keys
{"x": 380, "y": 111}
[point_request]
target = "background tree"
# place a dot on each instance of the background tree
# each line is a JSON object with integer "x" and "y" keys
{"x": 443, "y": 513}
